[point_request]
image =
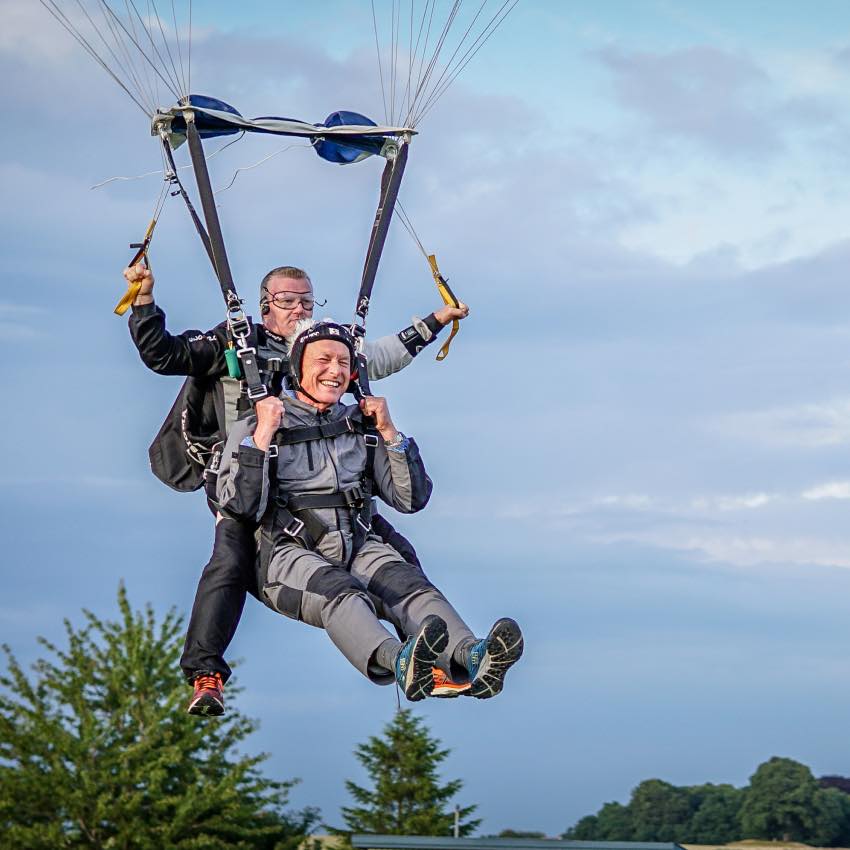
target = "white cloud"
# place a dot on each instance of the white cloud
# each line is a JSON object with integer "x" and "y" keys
{"x": 633, "y": 501}
{"x": 831, "y": 490}
{"x": 803, "y": 426}
{"x": 747, "y": 501}
{"x": 741, "y": 549}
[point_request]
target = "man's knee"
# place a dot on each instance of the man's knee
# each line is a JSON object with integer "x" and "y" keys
{"x": 332, "y": 583}
{"x": 234, "y": 551}
{"x": 394, "y": 582}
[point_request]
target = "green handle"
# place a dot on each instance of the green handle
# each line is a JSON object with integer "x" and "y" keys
{"x": 234, "y": 368}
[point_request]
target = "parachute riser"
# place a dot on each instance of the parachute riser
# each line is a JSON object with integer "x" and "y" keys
{"x": 390, "y": 183}
{"x": 239, "y": 325}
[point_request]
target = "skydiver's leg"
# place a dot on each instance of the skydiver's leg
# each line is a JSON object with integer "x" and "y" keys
{"x": 403, "y": 595}
{"x": 219, "y": 599}
{"x": 393, "y": 538}
{"x": 302, "y": 585}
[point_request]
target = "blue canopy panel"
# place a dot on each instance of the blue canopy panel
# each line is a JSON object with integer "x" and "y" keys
{"x": 353, "y": 150}
{"x": 339, "y": 139}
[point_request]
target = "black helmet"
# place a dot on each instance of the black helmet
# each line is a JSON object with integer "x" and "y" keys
{"x": 325, "y": 329}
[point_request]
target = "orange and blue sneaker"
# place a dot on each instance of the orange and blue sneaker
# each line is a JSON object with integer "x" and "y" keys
{"x": 414, "y": 667}
{"x": 208, "y": 698}
{"x": 445, "y": 687}
{"x": 491, "y": 657}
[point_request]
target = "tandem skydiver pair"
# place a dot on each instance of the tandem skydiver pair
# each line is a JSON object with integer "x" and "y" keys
{"x": 364, "y": 578}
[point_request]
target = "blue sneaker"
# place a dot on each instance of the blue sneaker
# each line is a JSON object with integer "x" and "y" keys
{"x": 414, "y": 667}
{"x": 490, "y": 658}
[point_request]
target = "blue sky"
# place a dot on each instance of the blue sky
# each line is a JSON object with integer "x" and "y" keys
{"x": 639, "y": 441}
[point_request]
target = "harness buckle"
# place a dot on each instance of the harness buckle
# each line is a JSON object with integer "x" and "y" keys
{"x": 258, "y": 392}
{"x": 273, "y": 450}
{"x": 366, "y": 528}
{"x": 353, "y": 497}
{"x": 239, "y": 327}
{"x": 274, "y": 364}
{"x": 371, "y": 440}
{"x": 294, "y": 527}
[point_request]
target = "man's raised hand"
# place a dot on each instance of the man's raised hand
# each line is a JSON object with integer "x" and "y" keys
{"x": 376, "y": 407}
{"x": 270, "y": 415}
{"x": 448, "y": 314}
{"x": 141, "y": 274}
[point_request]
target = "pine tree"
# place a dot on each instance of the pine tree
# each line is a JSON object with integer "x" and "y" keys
{"x": 97, "y": 751}
{"x": 407, "y": 797}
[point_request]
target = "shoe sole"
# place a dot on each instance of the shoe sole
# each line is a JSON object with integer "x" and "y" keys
{"x": 206, "y": 706}
{"x": 432, "y": 639}
{"x": 504, "y": 649}
{"x": 450, "y": 693}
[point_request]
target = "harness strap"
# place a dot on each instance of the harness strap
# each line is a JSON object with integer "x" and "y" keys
{"x": 350, "y": 498}
{"x": 305, "y": 434}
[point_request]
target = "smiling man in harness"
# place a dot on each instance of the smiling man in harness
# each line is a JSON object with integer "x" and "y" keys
{"x": 305, "y": 467}
{"x": 186, "y": 450}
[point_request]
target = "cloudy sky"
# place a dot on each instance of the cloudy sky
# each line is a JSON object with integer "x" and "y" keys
{"x": 639, "y": 440}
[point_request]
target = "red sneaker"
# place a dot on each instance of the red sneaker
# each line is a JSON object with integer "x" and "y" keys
{"x": 208, "y": 699}
{"x": 445, "y": 687}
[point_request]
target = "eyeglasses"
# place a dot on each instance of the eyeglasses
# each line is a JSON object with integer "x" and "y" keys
{"x": 289, "y": 301}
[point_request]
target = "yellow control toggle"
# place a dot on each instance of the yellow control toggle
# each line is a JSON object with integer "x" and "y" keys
{"x": 449, "y": 299}
{"x": 141, "y": 254}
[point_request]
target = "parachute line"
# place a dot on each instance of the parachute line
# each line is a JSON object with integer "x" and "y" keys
{"x": 260, "y": 162}
{"x": 51, "y": 7}
{"x": 428, "y": 39}
{"x": 131, "y": 41}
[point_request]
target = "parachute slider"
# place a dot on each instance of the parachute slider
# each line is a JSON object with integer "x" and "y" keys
{"x": 343, "y": 137}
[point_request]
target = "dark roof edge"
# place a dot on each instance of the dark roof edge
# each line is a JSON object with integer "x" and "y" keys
{"x": 440, "y": 842}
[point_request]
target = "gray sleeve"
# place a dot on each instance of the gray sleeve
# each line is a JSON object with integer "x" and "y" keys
{"x": 385, "y": 356}
{"x": 243, "y": 475}
{"x": 400, "y": 478}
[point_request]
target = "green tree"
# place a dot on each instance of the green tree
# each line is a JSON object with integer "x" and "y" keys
{"x": 585, "y": 829}
{"x": 97, "y": 751}
{"x": 520, "y": 833}
{"x": 831, "y": 826}
{"x": 406, "y": 797}
{"x": 716, "y": 814}
{"x": 613, "y": 822}
{"x": 779, "y": 802}
{"x": 659, "y": 811}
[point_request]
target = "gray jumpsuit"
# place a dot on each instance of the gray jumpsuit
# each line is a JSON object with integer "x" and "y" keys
{"x": 334, "y": 587}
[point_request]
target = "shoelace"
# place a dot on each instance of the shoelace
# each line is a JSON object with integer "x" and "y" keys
{"x": 211, "y": 682}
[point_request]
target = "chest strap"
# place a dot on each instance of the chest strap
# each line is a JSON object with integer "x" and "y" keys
{"x": 306, "y": 433}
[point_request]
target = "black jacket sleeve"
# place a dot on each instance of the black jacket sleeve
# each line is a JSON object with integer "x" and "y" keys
{"x": 414, "y": 340}
{"x": 194, "y": 353}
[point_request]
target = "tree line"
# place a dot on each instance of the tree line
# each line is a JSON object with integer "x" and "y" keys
{"x": 97, "y": 751}
{"x": 783, "y": 801}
